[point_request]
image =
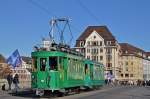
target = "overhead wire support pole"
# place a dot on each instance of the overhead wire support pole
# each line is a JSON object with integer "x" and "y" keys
{"x": 70, "y": 33}
{"x": 54, "y": 23}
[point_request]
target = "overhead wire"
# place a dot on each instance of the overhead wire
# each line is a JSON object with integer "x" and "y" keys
{"x": 41, "y": 7}
{"x": 88, "y": 11}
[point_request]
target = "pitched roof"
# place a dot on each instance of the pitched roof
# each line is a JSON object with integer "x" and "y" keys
{"x": 129, "y": 48}
{"x": 147, "y": 53}
{"x": 26, "y": 59}
{"x": 103, "y": 31}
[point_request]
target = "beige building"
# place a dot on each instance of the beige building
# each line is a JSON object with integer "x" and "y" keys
{"x": 131, "y": 62}
{"x": 4, "y": 68}
{"x": 146, "y": 66}
{"x": 97, "y": 43}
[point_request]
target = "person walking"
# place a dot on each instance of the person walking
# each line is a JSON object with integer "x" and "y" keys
{"x": 9, "y": 80}
{"x": 16, "y": 82}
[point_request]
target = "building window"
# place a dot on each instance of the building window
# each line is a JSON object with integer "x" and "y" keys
{"x": 131, "y": 63}
{"x": 88, "y": 57}
{"x": 121, "y": 75}
{"x": 88, "y": 43}
{"x": 81, "y": 43}
{"x": 127, "y": 63}
{"x": 108, "y": 50}
{"x": 108, "y": 42}
{"x": 88, "y": 50}
{"x": 82, "y": 51}
{"x": 94, "y": 51}
{"x": 109, "y": 64}
{"x": 94, "y": 58}
{"x": 126, "y": 68}
{"x": 100, "y": 43}
{"x": 126, "y": 75}
{"x": 95, "y": 43}
{"x": 131, "y": 75}
{"x": 97, "y": 51}
{"x": 101, "y": 58}
{"x": 109, "y": 57}
{"x": 19, "y": 71}
{"x": 97, "y": 58}
{"x": 101, "y": 50}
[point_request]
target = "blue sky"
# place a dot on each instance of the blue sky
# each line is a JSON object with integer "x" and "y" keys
{"x": 23, "y": 23}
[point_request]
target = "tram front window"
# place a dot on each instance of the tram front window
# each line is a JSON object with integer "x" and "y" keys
{"x": 43, "y": 64}
{"x": 53, "y": 63}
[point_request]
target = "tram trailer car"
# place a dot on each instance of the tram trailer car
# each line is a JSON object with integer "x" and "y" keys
{"x": 61, "y": 71}
{"x": 94, "y": 74}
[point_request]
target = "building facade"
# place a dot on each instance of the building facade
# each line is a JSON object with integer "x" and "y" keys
{"x": 24, "y": 74}
{"x": 146, "y": 66}
{"x": 131, "y": 61}
{"x": 97, "y": 43}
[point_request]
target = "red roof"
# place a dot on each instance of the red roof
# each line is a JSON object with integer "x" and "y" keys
{"x": 103, "y": 31}
{"x": 129, "y": 48}
{"x": 147, "y": 53}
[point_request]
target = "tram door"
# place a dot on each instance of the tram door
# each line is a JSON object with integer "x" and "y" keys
{"x": 42, "y": 74}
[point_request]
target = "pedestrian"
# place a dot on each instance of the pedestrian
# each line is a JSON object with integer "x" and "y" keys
{"x": 16, "y": 82}
{"x": 3, "y": 87}
{"x": 9, "y": 80}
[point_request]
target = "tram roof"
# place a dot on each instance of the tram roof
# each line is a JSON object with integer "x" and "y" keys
{"x": 54, "y": 53}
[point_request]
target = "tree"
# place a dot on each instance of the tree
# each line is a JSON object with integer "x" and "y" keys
{"x": 2, "y": 59}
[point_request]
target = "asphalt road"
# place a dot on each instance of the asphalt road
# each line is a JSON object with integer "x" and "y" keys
{"x": 119, "y": 92}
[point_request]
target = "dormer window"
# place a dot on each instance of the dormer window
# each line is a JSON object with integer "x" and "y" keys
{"x": 88, "y": 43}
{"x": 81, "y": 43}
{"x": 108, "y": 42}
{"x": 95, "y": 43}
{"x": 100, "y": 43}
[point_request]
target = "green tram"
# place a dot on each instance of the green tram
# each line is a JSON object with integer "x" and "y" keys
{"x": 64, "y": 72}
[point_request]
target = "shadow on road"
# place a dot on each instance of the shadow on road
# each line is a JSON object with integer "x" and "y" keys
{"x": 31, "y": 94}
{"x": 24, "y": 93}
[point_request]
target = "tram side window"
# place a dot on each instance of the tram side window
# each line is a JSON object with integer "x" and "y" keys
{"x": 91, "y": 73}
{"x": 61, "y": 63}
{"x": 53, "y": 63}
{"x": 43, "y": 64}
{"x": 34, "y": 64}
{"x": 86, "y": 68}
